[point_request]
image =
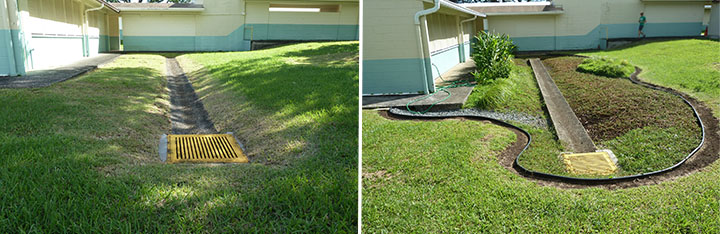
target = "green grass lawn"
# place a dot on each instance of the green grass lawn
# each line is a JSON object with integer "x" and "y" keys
{"x": 648, "y": 130}
{"x": 295, "y": 110}
{"x": 690, "y": 66}
{"x": 80, "y": 156}
{"x": 427, "y": 177}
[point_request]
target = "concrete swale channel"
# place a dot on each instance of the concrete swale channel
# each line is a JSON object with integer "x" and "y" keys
{"x": 569, "y": 130}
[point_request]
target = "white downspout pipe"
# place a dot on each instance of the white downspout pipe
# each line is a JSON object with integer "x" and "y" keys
{"x": 421, "y": 39}
{"x": 462, "y": 35}
{"x": 86, "y": 28}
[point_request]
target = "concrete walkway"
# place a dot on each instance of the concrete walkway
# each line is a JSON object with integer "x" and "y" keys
{"x": 456, "y": 100}
{"x": 570, "y": 131}
{"x": 47, "y": 77}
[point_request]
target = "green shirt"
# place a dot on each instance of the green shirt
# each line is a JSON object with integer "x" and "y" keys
{"x": 642, "y": 20}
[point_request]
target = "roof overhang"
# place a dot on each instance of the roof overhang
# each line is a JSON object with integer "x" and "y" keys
{"x": 159, "y": 7}
{"x": 454, "y": 6}
{"x": 445, "y": 4}
{"x": 104, "y": 4}
{"x": 526, "y": 13}
{"x": 516, "y": 8}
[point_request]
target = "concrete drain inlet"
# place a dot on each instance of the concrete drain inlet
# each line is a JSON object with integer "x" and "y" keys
{"x": 194, "y": 138}
{"x": 202, "y": 148}
{"x": 595, "y": 163}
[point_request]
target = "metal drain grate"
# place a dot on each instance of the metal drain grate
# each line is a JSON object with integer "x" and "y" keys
{"x": 596, "y": 163}
{"x": 220, "y": 148}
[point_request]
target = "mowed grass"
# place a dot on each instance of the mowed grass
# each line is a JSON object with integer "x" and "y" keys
{"x": 691, "y": 66}
{"x": 295, "y": 109}
{"x": 80, "y": 156}
{"x": 429, "y": 177}
{"x": 647, "y": 129}
{"x": 58, "y": 143}
{"x": 489, "y": 198}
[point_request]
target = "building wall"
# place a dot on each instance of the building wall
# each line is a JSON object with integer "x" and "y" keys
{"x": 11, "y": 52}
{"x": 538, "y": 31}
{"x": 445, "y": 51}
{"x": 586, "y": 24}
{"x": 706, "y": 18}
{"x": 265, "y": 25}
{"x": 113, "y": 32}
{"x": 54, "y": 34}
{"x": 221, "y": 26}
{"x": 392, "y": 61}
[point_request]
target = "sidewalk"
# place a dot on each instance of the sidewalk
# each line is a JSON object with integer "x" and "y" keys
{"x": 459, "y": 94}
{"x": 47, "y": 77}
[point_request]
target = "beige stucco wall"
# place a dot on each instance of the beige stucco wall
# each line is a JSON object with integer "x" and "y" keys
{"x": 219, "y": 18}
{"x": 53, "y": 30}
{"x": 444, "y": 31}
{"x": 389, "y": 31}
{"x": 531, "y": 25}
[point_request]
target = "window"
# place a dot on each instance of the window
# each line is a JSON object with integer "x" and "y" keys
{"x": 303, "y": 8}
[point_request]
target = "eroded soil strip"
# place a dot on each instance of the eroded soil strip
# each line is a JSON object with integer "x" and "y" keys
{"x": 187, "y": 113}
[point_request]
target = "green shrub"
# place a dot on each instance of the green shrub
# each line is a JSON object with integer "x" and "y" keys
{"x": 491, "y": 94}
{"x": 493, "y": 56}
{"x": 603, "y": 66}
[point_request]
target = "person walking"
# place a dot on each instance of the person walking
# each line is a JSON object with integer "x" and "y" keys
{"x": 642, "y": 21}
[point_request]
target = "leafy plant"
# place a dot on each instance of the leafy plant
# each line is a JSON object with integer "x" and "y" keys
{"x": 492, "y": 94}
{"x": 603, "y": 66}
{"x": 493, "y": 56}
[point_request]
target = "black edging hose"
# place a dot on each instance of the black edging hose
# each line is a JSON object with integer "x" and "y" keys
{"x": 531, "y": 173}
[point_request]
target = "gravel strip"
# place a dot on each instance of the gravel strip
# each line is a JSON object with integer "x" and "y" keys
{"x": 511, "y": 117}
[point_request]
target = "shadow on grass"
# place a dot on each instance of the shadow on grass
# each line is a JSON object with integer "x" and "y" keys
{"x": 317, "y": 104}
{"x": 80, "y": 156}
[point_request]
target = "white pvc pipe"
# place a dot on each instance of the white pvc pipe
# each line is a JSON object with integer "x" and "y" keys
{"x": 421, "y": 39}
{"x": 86, "y": 28}
{"x": 462, "y": 35}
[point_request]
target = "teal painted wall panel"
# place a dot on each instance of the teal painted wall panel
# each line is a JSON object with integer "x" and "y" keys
{"x": 301, "y": 32}
{"x": 103, "y": 46}
{"x": 392, "y": 76}
{"x": 239, "y": 40}
{"x": 534, "y": 43}
{"x": 445, "y": 60}
{"x": 158, "y": 43}
{"x": 6, "y": 65}
{"x": 114, "y": 43}
{"x": 232, "y": 42}
{"x": 593, "y": 39}
{"x": 255, "y": 32}
{"x": 673, "y": 29}
{"x": 12, "y": 53}
{"x": 348, "y": 32}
